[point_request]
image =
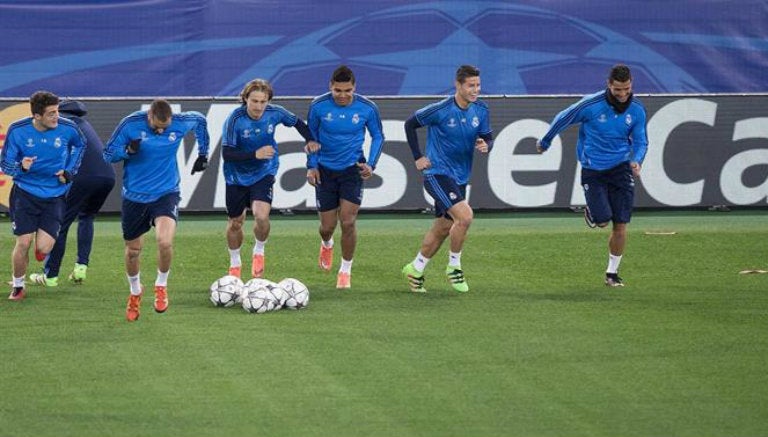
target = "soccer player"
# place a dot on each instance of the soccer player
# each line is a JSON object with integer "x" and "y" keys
{"x": 611, "y": 147}
{"x": 86, "y": 196}
{"x": 338, "y": 120}
{"x": 147, "y": 143}
{"x": 42, "y": 153}
{"x": 457, "y": 127}
{"x": 251, "y": 160}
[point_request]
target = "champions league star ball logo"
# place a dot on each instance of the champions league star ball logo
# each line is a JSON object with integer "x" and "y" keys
{"x": 416, "y": 49}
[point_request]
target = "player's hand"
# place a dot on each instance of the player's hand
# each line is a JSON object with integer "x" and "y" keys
{"x": 133, "y": 146}
{"x": 266, "y": 152}
{"x": 539, "y": 147}
{"x": 64, "y": 176}
{"x": 481, "y": 146}
{"x": 311, "y": 147}
{"x": 423, "y": 163}
{"x": 365, "y": 170}
{"x": 201, "y": 163}
{"x": 313, "y": 177}
{"x": 636, "y": 167}
{"x": 27, "y": 162}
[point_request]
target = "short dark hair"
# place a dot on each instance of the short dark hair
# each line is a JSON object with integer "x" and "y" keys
{"x": 161, "y": 110}
{"x": 41, "y": 100}
{"x": 343, "y": 74}
{"x": 466, "y": 71}
{"x": 620, "y": 73}
{"x": 256, "y": 85}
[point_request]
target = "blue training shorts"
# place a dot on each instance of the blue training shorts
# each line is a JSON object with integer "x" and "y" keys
{"x": 29, "y": 213}
{"x": 445, "y": 191}
{"x": 336, "y": 185}
{"x": 240, "y": 197}
{"x": 138, "y": 218}
{"x": 610, "y": 194}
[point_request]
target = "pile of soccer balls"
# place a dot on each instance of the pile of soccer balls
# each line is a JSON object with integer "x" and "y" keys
{"x": 259, "y": 295}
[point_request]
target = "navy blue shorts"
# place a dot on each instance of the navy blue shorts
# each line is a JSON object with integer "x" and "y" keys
{"x": 445, "y": 191}
{"x": 610, "y": 193}
{"x": 336, "y": 185}
{"x": 29, "y": 213}
{"x": 240, "y": 197}
{"x": 138, "y": 218}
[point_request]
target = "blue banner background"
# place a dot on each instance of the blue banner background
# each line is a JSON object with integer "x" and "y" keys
{"x": 210, "y": 48}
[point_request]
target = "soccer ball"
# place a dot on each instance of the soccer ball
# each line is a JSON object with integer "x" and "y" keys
{"x": 225, "y": 291}
{"x": 258, "y": 296}
{"x": 252, "y": 285}
{"x": 297, "y": 294}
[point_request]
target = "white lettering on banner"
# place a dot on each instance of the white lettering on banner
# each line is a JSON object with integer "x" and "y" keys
{"x": 654, "y": 178}
{"x": 502, "y": 162}
{"x": 577, "y": 195}
{"x": 731, "y": 176}
{"x": 392, "y": 172}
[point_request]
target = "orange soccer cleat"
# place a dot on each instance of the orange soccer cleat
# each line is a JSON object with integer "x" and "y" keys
{"x": 132, "y": 310}
{"x": 344, "y": 280}
{"x": 161, "y": 298}
{"x": 257, "y": 266}
{"x": 325, "y": 259}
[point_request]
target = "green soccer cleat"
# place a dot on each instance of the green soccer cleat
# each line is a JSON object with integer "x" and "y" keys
{"x": 78, "y": 274}
{"x": 41, "y": 279}
{"x": 456, "y": 278}
{"x": 415, "y": 278}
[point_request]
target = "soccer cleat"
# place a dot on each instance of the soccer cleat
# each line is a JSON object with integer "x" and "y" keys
{"x": 234, "y": 271}
{"x": 132, "y": 310}
{"x": 78, "y": 274}
{"x": 344, "y": 280}
{"x": 456, "y": 278}
{"x": 325, "y": 259}
{"x": 613, "y": 280}
{"x": 588, "y": 218}
{"x": 161, "y": 298}
{"x": 257, "y": 266}
{"x": 41, "y": 279}
{"x": 415, "y": 278}
{"x": 17, "y": 293}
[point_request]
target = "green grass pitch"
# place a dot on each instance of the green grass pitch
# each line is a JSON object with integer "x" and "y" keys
{"x": 538, "y": 347}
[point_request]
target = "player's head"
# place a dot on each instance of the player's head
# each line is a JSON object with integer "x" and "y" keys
{"x": 159, "y": 115}
{"x": 467, "y": 85}
{"x": 620, "y": 82}
{"x": 255, "y": 96}
{"x": 45, "y": 109}
{"x": 342, "y": 85}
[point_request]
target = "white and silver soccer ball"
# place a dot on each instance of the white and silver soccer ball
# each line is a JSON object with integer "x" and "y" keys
{"x": 225, "y": 291}
{"x": 297, "y": 294}
{"x": 258, "y": 296}
{"x": 252, "y": 285}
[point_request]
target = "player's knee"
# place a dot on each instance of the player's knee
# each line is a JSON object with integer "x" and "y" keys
{"x": 132, "y": 252}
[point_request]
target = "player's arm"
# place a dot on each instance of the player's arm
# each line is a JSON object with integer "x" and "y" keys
{"x": 484, "y": 142}
{"x": 313, "y": 123}
{"x": 12, "y": 162}
{"x": 200, "y": 126}
{"x": 310, "y": 146}
{"x": 75, "y": 158}
{"x": 120, "y": 146}
{"x": 568, "y": 116}
{"x": 421, "y": 161}
{"x": 373, "y": 124}
{"x": 639, "y": 140}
